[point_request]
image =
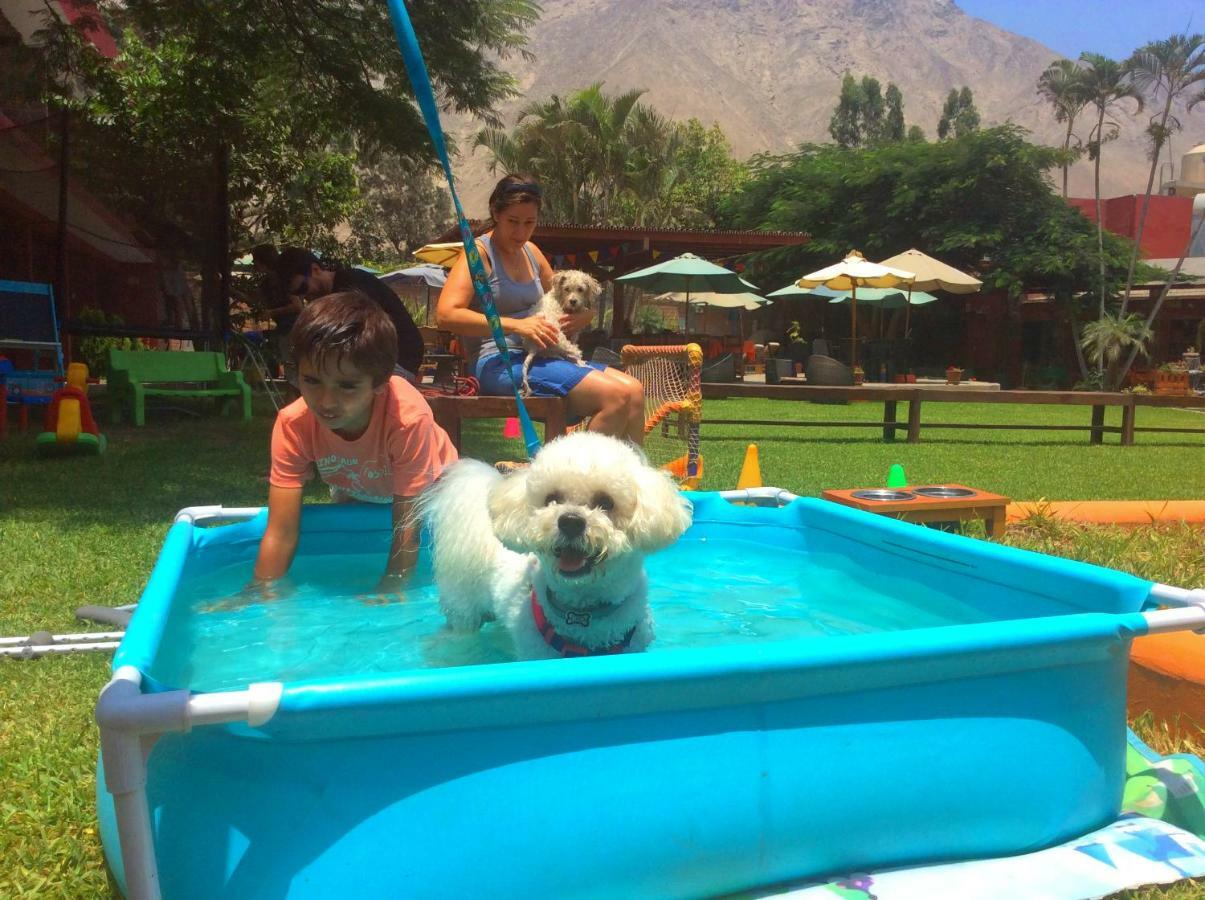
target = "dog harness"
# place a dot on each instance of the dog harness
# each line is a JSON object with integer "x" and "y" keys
{"x": 563, "y": 645}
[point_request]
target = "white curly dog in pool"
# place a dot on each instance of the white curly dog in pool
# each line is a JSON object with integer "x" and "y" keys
{"x": 554, "y": 551}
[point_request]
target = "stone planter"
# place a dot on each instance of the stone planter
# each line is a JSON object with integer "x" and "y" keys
{"x": 1171, "y": 383}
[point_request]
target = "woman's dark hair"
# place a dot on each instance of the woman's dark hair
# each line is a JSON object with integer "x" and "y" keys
{"x": 513, "y": 190}
{"x": 347, "y": 324}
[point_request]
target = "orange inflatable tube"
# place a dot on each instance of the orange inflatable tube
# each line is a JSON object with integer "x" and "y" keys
{"x": 1167, "y": 677}
{"x": 1111, "y": 512}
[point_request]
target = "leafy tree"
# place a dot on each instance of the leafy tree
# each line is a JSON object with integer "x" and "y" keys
{"x": 982, "y": 195}
{"x": 1062, "y": 86}
{"x": 959, "y": 115}
{"x": 402, "y": 207}
{"x": 708, "y": 175}
{"x": 916, "y": 134}
{"x": 865, "y": 115}
{"x": 1169, "y": 69}
{"x": 893, "y": 122}
{"x": 1107, "y": 84}
{"x": 259, "y": 113}
{"x": 846, "y": 123}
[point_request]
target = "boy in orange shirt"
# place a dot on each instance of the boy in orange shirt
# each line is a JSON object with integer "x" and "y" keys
{"x": 369, "y": 433}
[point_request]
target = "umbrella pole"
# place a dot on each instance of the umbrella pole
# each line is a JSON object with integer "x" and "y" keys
{"x": 853, "y": 326}
{"x": 907, "y": 312}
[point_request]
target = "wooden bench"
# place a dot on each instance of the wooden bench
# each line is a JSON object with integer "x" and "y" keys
{"x": 915, "y": 397}
{"x": 451, "y": 411}
{"x": 135, "y": 375}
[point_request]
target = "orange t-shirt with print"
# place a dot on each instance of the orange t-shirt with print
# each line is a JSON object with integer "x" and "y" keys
{"x": 400, "y": 452}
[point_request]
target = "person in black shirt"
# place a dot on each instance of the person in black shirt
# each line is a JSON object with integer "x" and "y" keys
{"x": 303, "y": 276}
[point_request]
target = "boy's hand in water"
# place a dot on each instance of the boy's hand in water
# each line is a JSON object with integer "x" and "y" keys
{"x": 266, "y": 590}
{"x": 390, "y": 589}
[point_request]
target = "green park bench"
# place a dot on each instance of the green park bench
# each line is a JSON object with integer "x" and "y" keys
{"x": 135, "y": 375}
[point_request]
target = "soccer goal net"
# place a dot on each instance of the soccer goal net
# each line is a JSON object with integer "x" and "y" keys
{"x": 673, "y": 406}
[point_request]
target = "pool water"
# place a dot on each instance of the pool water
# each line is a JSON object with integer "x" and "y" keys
{"x": 703, "y": 591}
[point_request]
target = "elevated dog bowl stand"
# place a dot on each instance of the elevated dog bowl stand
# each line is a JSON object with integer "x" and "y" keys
{"x": 911, "y": 504}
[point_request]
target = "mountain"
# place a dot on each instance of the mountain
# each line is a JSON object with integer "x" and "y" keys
{"x": 768, "y": 71}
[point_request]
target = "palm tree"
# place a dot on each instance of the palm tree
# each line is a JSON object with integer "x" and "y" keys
{"x": 1168, "y": 69}
{"x": 601, "y": 159}
{"x": 1061, "y": 85}
{"x": 1107, "y": 85}
{"x": 1106, "y": 339}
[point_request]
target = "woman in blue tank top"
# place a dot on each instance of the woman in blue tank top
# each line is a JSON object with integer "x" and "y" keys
{"x": 519, "y": 276}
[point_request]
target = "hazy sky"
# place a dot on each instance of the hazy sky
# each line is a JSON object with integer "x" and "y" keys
{"x": 1112, "y": 27}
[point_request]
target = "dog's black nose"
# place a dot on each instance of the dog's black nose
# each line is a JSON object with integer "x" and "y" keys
{"x": 571, "y": 524}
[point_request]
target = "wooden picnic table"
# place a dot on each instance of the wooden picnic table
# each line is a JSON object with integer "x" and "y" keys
{"x": 915, "y": 397}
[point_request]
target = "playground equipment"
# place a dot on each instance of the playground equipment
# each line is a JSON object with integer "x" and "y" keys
{"x": 29, "y": 336}
{"x": 673, "y": 406}
{"x": 70, "y": 426}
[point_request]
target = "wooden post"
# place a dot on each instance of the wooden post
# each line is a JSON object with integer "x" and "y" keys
{"x": 1098, "y": 420}
{"x": 889, "y": 420}
{"x": 914, "y": 418}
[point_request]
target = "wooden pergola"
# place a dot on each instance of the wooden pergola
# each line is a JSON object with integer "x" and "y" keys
{"x": 607, "y": 252}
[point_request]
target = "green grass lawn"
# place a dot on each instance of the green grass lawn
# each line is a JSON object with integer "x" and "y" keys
{"x": 87, "y": 530}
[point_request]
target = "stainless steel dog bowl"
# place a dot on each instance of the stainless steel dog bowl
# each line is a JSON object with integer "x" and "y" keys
{"x": 883, "y": 494}
{"x": 938, "y": 490}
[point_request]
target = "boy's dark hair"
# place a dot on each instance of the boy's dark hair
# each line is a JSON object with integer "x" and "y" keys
{"x": 264, "y": 255}
{"x": 294, "y": 261}
{"x": 347, "y": 324}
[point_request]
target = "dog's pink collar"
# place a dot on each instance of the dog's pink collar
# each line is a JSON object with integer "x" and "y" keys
{"x": 566, "y": 647}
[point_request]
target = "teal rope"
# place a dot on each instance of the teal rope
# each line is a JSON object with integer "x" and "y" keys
{"x": 421, "y": 82}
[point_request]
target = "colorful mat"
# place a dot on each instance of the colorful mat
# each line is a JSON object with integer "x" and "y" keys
{"x": 1158, "y": 839}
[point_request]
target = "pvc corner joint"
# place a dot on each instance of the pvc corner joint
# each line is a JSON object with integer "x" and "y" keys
{"x": 1188, "y": 609}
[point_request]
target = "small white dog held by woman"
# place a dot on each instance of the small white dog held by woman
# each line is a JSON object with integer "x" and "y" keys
{"x": 554, "y": 551}
{"x": 572, "y": 292}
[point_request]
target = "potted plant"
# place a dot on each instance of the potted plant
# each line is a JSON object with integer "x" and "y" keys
{"x": 859, "y": 375}
{"x": 953, "y": 375}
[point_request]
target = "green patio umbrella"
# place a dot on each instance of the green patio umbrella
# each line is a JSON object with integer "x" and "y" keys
{"x": 885, "y": 298}
{"x": 688, "y": 273}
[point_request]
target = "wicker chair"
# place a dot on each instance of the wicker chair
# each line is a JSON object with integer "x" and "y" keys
{"x": 721, "y": 370}
{"x": 824, "y": 370}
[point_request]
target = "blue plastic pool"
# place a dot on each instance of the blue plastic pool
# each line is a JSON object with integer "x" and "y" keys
{"x": 830, "y": 691}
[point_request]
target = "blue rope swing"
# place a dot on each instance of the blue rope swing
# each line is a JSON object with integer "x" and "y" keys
{"x": 421, "y": 82}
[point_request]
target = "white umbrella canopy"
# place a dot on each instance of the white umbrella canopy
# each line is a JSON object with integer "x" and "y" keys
{"x": 932, "y": 275}
{"x": 850, "y": 274}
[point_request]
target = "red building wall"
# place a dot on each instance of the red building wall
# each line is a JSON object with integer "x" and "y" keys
{"x": 1168, "y": 221}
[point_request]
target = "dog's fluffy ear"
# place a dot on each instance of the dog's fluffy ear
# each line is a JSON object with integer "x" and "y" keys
{"x": 662, "y": 513}
{"x": 558, "y": 282}
{"x": 508, "y": 508}
{"x": 594, "y": 286}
